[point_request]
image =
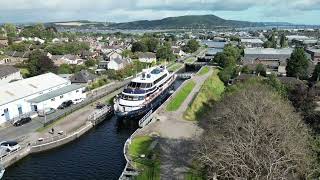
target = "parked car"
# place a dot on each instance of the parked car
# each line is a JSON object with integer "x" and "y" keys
{"x": 76, "y": 101}
{"x": 65, "y": 104}
{"x": 10, "y": 145}
{"x": 100, "y": 105}
{"x": 22, "y": 121}
{"x": 46, "y": 112}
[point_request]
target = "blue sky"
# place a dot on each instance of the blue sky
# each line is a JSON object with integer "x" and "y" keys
{"x": 294, "y": 11}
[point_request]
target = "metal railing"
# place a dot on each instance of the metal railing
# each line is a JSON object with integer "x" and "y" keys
{"x": 90, "y": 99}
{"x": 146, "y": 119}
{"x": 98, "y": 113}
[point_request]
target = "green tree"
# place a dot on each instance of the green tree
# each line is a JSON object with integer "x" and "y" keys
{"x": 21, "y": 47}
{"x": 297, "y": 64}
{"x": 139, "y": 47}
{"x": 165, "y": 52}
{"x": 90, "y": 63}
{"x": 224, "y": 60}
{"x": 226, "y": 74}
{"x": 78, "y": 68}
{"x": 126, "y": 53}
{"x": 246, "y": 70}
{"x": 267, "y": 44}
{"x": 39, "y": 63}
{"x": 192, "y": 46}
{"x": 65, "y": 69}
{"x": 10, "y": 30}
{"x": 316, "y": 73}
{"x": 151, "y": 43}
{"x": 283, "y": 41}
{"x": 261, "y": 70}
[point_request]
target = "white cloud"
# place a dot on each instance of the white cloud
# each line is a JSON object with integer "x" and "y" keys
{"x": 125, "y": 10}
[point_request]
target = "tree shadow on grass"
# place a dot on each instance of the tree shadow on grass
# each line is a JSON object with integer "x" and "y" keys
{"x": 176, "y": 157}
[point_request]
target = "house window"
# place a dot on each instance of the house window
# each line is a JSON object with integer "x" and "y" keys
{"x": 53, "y": 99}
{"x": 61, "y": 96}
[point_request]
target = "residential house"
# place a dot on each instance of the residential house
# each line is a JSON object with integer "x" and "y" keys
{"x": 83, "y": 77}
{"x": 26, "y": 97}
{"x": 3, "y": 42}
{"x": 9, "y": 74}
{"x": 14, "y": 57}
{"x": 88, "y": 54}
{"x": 177, "y": 51}
{"x": 273, "y": 59}
{"x": 34, "y": 39}
{"x": 118, "y": 63}
{"x": 147, "y": 57}
{"x": 113, "y": 55}
{"x": 66, "y": 59}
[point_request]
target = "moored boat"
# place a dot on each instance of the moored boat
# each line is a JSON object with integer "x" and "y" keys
{"x": 144, "y": 93}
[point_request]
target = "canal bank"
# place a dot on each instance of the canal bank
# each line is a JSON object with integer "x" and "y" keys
{"x": 171, "y": 133}
{"x": 106, "y": 140}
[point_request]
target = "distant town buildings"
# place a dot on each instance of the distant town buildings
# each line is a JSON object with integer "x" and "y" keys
{"x": 273, "y": 59}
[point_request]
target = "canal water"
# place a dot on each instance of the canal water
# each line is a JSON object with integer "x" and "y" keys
{"x": 97, "y": 155}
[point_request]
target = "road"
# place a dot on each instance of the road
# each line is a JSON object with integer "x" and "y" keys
{"x": 14, "y": 133}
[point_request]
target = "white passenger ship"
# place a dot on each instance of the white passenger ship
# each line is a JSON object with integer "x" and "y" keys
{"x": 144, "y": 92}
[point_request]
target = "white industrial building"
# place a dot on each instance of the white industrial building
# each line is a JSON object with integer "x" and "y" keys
{"x": 27, "y": 96}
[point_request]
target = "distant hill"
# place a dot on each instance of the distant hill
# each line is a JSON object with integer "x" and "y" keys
{"x": 185, "y": 22}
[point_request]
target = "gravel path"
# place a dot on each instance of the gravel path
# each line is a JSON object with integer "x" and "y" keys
{"x": 176, "y": 135}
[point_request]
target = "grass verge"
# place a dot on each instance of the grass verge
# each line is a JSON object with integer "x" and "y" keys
{"x": 190, "y": 60}
{"x": 175, "y": 67}
{"x": 211, "y": 90}
{"x": 179, "y": 98}
{"x": 148, "y": 166}
{"x": 203, "y": 71}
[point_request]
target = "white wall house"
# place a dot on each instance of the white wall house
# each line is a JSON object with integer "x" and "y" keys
{"x": 8, "y": 74}
{"x": 147, "y": 57}
{"x": 16, "y": 96}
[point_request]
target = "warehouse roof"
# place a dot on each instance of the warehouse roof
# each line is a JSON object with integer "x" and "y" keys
{"x": 284, "y": 51}
{"x": 252, "y": 40}
{"x": 30, "y": 86}
{"x": 56, "y": 93}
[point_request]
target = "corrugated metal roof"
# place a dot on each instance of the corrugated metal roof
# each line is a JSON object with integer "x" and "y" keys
{"x": 56, "y": 93}
{"x": 27, "y": 87}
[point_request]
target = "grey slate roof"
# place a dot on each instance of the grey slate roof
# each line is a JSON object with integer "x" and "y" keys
{"x": 82, "y": 77}
{"x": 56, "y": 93}
{"x": 251, "y": 54}
{"x": 7, "y": 70}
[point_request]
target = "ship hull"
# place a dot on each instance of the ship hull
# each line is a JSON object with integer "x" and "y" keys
{"x": 155, "y": 103}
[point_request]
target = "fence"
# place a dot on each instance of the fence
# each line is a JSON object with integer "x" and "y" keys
{"x": 92, "y": 98}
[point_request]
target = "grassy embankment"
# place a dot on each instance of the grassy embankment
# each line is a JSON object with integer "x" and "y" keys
{"x": 190, "y": 60}
{"x": 175, "y": 66}
{"x": 149, "y": 164}
{"x": 210, "y": 91}
{"x": 203, "y": 71}
{"x": 179, "y": 98}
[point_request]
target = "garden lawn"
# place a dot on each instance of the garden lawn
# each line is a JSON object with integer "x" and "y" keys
{"x": 180, "y": 97}
{"x": 211, "y": 90}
